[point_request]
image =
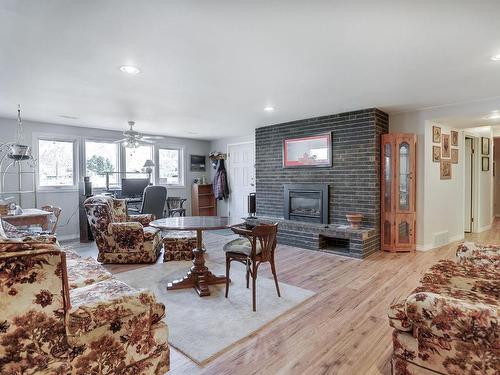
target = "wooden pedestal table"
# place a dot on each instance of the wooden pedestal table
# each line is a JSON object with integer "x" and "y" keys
{"x": 199, "y": 277}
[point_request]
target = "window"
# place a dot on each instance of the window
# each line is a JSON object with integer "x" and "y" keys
{"x": 170, "y": 166}
{"x": 135, "y": 159}
{"x": 55, "y": 163}
{"x": 101, "y": 157}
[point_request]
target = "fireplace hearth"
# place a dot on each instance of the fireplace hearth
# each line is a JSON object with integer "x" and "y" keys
{"x": 306, "y": 202}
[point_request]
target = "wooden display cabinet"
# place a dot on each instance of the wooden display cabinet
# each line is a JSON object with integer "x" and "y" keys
{"x": 398, "y": 218}
{"x": 203, "y": 201}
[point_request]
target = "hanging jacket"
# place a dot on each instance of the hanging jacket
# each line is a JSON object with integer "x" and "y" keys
{"x": 220, "y": 185}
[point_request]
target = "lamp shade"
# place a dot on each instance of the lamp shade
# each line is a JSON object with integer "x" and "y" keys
{"x": 149, "y": 163}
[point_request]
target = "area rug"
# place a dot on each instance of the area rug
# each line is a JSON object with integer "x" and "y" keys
{"x": 223, "y": 232}
{"x": 202, "y": 328}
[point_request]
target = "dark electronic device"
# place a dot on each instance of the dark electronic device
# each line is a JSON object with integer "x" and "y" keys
{"x": 133, "y": 187}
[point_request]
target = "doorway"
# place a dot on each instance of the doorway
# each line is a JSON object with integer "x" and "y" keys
{"x": 469, "y": 184}
{"x": 496, "y": 177}
{"x": 241, "y": 175}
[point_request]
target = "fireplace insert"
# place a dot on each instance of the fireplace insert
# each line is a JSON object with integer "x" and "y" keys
{"x": 306, "y": 202}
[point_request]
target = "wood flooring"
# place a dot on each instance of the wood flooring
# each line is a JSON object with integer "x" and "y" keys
{"x": 343, "y": 329}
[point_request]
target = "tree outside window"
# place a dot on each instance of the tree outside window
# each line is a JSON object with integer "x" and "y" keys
{"x": 101, "y": 157}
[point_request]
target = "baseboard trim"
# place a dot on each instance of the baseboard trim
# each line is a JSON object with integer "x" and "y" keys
{"x": 430, "y": 246}
{"x": 482, "y": 229}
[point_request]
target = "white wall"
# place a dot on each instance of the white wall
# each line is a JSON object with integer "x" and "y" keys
{"x": 68, "y": 199}
{"x": 440, "y": 206}
{"x": 444, "y": 199}
{"x": 221, "y": 146}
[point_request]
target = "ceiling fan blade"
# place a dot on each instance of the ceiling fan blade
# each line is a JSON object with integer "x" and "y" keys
{"x": 152, "y": 137}
{"x": 120, "y": 140}
{"x": 142, "y": 140}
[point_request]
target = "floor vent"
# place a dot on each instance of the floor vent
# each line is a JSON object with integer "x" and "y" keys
{"x": 441, "y": 238}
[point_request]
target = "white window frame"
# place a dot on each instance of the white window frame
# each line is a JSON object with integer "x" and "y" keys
{"x": 76, "y": 171}
{"x": 119, "y": 157}
{"x": 182, "y": 168}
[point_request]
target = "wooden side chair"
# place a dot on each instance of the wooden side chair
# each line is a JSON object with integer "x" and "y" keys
{"x": 254, "y": 247}
{"x": 174, "y": 206}
{"x": 54, "y": 218}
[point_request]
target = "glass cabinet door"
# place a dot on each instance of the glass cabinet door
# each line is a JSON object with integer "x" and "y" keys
{"x": 387, "y": 177}
{"x": 405, "y": 161}
{"x": 404, "y": 177}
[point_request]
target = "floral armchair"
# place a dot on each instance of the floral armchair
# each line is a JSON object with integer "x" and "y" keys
{"x": 121, "y": 238}
{"x": 449, "y": 324}
{"x": 47, "y": 328}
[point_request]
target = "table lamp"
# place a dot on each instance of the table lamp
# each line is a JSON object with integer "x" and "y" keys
{"x": 148, "y": 166}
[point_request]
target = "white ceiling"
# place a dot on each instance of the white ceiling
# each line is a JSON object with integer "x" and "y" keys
{"x": 464, "y": 122}
{"x": 210, "y": 67}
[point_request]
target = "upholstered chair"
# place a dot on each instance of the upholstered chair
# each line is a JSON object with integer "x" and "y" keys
{"x": 99, "y": 326}
{"x": 121, "y": 238}
{"x": 449, "y": 323}
{"x": 254, "y": 247}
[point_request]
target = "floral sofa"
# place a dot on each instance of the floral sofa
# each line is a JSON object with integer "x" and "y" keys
{"x": 449, "y": 324}
{"x": 121, "y": 238}
{"x": 62, "y": 314}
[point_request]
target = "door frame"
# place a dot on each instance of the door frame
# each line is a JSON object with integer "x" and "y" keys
{"x": 474, "y": 181}
{"x": 228, "y": 160}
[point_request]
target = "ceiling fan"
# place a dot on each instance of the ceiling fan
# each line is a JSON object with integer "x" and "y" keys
{"x": 133, "y": 138}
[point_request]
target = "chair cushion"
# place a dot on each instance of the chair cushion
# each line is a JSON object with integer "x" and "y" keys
{"x": 179, "y": 234}
{"x": 241, "y": 246}
{"x": 84, "y": 271}
{"x": 107, "y": 301}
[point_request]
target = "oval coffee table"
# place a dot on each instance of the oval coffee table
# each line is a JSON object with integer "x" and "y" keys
{"x": 199, "y": 277}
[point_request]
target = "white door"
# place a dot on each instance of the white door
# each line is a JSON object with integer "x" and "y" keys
{"x": 468, "y": 185}
{"x": 241, "y": 176}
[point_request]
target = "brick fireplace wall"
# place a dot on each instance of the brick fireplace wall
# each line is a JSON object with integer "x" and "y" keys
{"x": 353, "y": 179}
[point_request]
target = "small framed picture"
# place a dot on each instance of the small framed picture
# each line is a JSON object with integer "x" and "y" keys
{"x": 454, "y": 156}
{"x": 485, "y": 146}
{"x": 436, "y": 134}
{"x": 445, "y": 170}
{"x": 485, "y": 165}
{"x": 436, "y": 154}
{"x": 454, "y": 138}
{"x": 445, "y": 152}
{"x": 197, "y": 163}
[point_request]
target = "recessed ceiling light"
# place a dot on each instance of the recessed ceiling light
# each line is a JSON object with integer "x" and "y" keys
{"x": 129, "y": 69}
{"x": 69, "y": 117}
{"x": 269, "y": 108}
{"x": 495, "y": 57}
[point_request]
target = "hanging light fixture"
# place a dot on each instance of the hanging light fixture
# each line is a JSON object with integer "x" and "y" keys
{"x": 17, "y": 151}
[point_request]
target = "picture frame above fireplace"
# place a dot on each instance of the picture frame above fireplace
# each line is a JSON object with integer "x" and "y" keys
{"x": 308, "y": 151}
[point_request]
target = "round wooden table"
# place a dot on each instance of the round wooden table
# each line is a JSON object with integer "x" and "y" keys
{"x": 199, "y": 277}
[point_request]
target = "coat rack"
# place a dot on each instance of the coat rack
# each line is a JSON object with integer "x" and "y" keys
{"x": 216, "y": 155}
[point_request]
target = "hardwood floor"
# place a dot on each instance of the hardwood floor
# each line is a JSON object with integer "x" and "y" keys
{"x": 343, "y": 329}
